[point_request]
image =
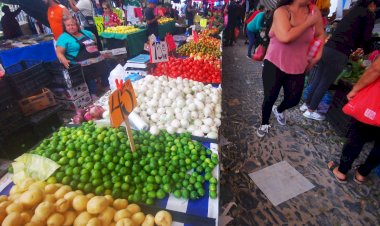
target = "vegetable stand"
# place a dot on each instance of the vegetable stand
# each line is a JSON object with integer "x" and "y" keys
{"x": 165, "y": 28}
{"x": 134, "y": 42}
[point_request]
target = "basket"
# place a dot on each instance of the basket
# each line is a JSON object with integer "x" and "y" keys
{"x": 27, "y": 77}
{"x": 341, "y": 122}
{"x": 65, "y": 78}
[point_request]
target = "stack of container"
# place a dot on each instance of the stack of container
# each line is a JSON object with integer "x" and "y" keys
{"x": 69, "y": 86}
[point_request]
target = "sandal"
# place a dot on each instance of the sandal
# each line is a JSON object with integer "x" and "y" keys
{"x": 331, "y": 168}
{"x": 360, "y": 182}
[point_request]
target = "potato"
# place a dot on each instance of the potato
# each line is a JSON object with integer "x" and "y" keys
{"x": 14, "y": 207}
{"x": 3, "y": 198}
{"x": 94, "y": 222}
{"x": 39, "y": 184}
{"x": 38, "y": 220}
{"x": 148, "y": 221}
{"x": 69, "y": 218}
{"x": 44, "y": 210}
{"x": 109, "y": 198}
{"x": 13, "y": 219}
{"x": 32, "y": 223}
{"x": 133, "y": 208}
{"x": 90, "y": 195}
{"x": 51, "y": 188}
{"x": 25, "y": 184}
{"x": 79, "y": 192}
{"x": 80, "y": 202}
{"x": 82, "y": 219}
{"x": 125, "y": 222}
{"x": 62, "y": 205}
{"x": 138, "y": 218}
{"x": 70, "y": 196}
{"x": 106, "y": 216}
{"x": 3, "y": 214}
{"x": 50, "y": 198}
{"x": 15, "y": 189}
{"x": 62, "y": 191}
{"x": 97, "y": 204}
{"x": 124, "y": 213}
{"x": 4, "y": 205}
{"x": 112, "y": 224}
{"x": 32, "y": 197}
{"x": 56, "y": 219}
{"x": 163, "y": 218}
{"x": 120, "y": 204}
{"x": 26, "y": 216}
{"x": 15, "y": 197}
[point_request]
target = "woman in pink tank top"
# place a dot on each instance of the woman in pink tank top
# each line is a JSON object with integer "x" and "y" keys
{"x": 294, "y": 26}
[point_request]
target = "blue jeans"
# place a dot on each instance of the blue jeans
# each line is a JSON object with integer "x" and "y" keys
{"x": 251, "y": 38}
{"x": 92, "y": 85}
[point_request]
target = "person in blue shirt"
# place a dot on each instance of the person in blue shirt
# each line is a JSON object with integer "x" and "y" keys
{"x": 77, "y": 46}
{"x": 253, "y": 28}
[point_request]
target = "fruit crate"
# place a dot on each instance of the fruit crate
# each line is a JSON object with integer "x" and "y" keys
{"x": 341, "y": 122}
{"x": 27, "y": 77}
{"x": 65, "y": 78}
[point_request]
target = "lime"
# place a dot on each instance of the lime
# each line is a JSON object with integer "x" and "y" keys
{"x": 213, "y": 180}
{"x": 177, "y": 194}
{"x": 185, "y": 194}
{"x": 99, "y": 190}
{"x": 52, "y": 180}
{"x": 213, "y": 194}
{"x": 160, "y": 194}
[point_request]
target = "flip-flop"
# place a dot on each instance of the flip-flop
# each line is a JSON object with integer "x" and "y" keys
{"x": 360, "y": 182}
{"x": 333, "y": 166}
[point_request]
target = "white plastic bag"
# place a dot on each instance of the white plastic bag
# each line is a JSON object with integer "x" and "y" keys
{"x": 117, "y": 73}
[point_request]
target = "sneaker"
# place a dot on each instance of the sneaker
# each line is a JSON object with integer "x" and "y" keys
{"x": 279, "y": 116}
{"x": 249, "y": 57}
{"x": 262, "y": 130}
{"x": 314, "y": 115}
{"x": 303, "y": 107}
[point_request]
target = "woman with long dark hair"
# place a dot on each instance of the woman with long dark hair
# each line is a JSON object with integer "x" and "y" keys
{"x": 295, "y": 25}
{"x": 353, "y": 31}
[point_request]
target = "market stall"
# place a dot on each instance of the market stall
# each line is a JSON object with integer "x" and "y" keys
{"x": 27, "y": 47}
{"x": 167, "y": 27}
{"x": 133, "y": 41}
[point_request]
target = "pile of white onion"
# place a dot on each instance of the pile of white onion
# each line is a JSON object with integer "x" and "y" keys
{"x": 179, "y": 105}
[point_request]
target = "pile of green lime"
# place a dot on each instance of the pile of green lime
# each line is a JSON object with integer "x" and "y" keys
{"x": 99, "y": 160}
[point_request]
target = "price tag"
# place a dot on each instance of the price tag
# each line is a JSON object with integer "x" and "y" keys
{"x": 121, "y": 103}
{"x": 203, "y": 23}
{"x": 99, "y": 24}
{"x": 195, "y": 36}
{"x": 158, "y": 50}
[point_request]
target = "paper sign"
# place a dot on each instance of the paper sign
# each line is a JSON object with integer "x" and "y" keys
{"x": 195, "y": 36}
{"x": 203, "y": 22}
{"x": 159, "y": 52}
{"x": 99, "y": 24}
{"x": 121, "y": 104}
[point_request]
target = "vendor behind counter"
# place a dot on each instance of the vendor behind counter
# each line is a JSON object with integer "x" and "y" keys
{"x": 11, "y": 28}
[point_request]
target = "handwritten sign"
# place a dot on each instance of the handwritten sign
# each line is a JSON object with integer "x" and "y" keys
{"x": 121, "y": 104}
{"x": 158, "y": 50}
{"x": 203, "y": 23}
{"x": 99, "y": 24}
{"x": 195, "y": 36}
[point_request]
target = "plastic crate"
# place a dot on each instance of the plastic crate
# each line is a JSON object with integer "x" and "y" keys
{"x": 65, "y": 78}
{"x": 11, "y": 117}
{"x": 341, "y": 122}
{"x": 27, "y": 77}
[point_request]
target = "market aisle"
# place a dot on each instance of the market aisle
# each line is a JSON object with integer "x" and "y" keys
{"x": 306, "y": 145}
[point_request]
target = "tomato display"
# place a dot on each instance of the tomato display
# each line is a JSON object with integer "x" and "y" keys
{"x": 206, "y": 71}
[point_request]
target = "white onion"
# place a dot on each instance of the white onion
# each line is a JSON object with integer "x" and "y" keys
{"x": 154, "y": 130}
{"x": 198, "y": 133}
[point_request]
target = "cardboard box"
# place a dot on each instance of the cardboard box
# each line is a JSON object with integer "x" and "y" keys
{"x": 71, "y": 94}
{"x": 73, "y": 105}
{"x": 37, "y": 102}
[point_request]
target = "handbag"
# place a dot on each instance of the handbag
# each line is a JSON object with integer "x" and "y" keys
{"x": 365, "y": 106}
{"x": 85, "y": 21}
{"x": 259, "y": 53}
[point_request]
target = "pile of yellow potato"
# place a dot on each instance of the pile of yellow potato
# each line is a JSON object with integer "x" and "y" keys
{"x": 121, "y": 29}
{"x": 36, "y": 203}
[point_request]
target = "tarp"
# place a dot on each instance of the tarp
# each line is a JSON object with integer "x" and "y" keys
{"x": 34, "y": 8}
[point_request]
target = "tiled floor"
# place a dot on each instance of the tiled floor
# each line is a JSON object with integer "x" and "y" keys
{"x": 306, "y": 145}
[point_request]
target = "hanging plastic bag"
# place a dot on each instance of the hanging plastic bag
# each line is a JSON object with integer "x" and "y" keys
{"x": 259, "y": 53}
{"x": 365, "y": 106}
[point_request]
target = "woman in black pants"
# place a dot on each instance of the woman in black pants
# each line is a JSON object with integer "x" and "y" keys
{"x": 354, "y": 31}
{"x": 361, "y": 134}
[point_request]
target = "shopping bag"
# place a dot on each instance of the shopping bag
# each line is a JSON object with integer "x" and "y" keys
{"x": 259, "y": 53}
{"x": 236, "y": 32}
{"x": 365, "y": 106}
